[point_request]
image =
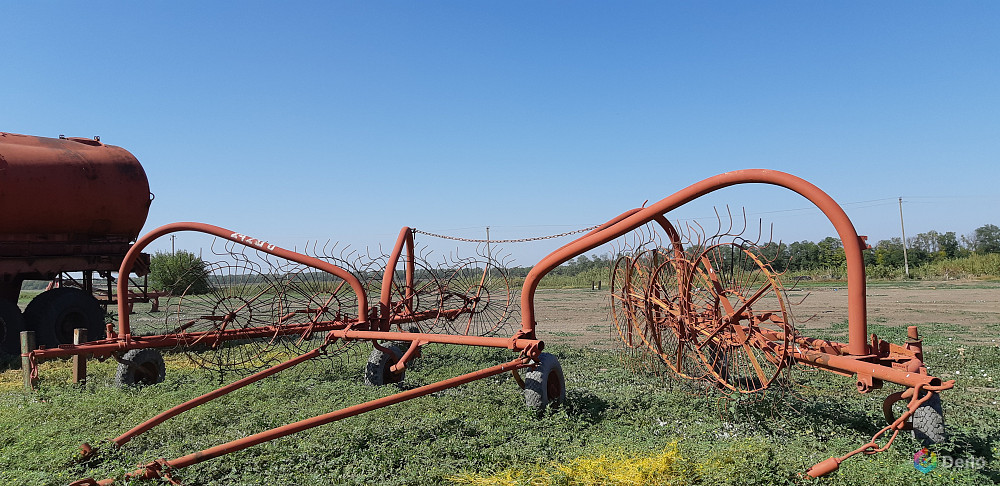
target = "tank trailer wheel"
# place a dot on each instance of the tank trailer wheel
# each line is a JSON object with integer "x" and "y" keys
{"x": 55, "y": 313}
{"x": 545, "y": 386}
{"x": 140, "y": 367}
{"x": 377, "y": 371}
{"x": 11, "y": 325}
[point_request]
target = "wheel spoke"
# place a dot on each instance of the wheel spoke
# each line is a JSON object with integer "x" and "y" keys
{"x": 728, "y": 281}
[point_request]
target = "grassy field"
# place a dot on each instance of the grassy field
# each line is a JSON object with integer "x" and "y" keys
{"x": 618, "y": 427}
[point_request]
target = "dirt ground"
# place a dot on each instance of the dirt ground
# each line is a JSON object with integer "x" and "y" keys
{"x": 970, "y": 309}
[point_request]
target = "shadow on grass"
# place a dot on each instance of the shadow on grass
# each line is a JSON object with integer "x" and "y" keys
{"x": 964, "y": 445}
{"x": 585, "y": 406}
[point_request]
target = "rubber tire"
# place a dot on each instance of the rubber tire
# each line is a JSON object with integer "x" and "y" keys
{"x": 377, "y": 370}
{"x": 545, "y": 386}
{"x": 928, "y": 422}
{"x": 11, "y": 325}
{"x": 143, "y": 367}
{"x": 54, "y": 314}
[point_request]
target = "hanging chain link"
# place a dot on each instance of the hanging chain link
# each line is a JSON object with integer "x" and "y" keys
{"x": 521, "y": 240}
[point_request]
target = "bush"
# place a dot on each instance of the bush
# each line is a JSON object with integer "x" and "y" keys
{"x": 178, "y": 273}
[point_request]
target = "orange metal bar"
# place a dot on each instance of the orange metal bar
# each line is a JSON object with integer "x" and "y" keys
{"x": 259, "y": 245}
{"x": 490, "y": 342}
{"x": 853, "y": 246}
{"x": 153, "y": 470}
{"x": 188, "y": 405}
{"x": 855, "y": 366}
{"x": 405, "y": 238}
{"x": 339, "y": 329}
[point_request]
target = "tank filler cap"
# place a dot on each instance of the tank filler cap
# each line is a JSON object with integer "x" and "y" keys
{"x": 94, "y": 142}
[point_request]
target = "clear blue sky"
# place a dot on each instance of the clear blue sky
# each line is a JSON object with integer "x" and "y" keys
{"x": 295, "y": 121}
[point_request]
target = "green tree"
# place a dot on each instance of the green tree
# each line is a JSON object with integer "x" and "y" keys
{"x": 889, "y": 252}
{"x": 948, "y": 244}
{"x": 987, "y": 239}
{"x": 831, "y": 252}
{"x": 803, "y": 255}
{"x": 929, "y": 241}
{"x": 178, "y": 273}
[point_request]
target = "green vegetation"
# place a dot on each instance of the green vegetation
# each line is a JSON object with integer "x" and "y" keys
{"x": 480, "y": 433}
{"x": 930, "y": 256}
{"x": 178, "y": 273}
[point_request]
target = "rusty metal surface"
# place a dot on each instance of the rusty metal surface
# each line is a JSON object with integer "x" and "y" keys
{"x": 71, "y": 190}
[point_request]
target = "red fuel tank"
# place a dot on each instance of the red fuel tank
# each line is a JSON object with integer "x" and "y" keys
{"x": 70, "y": 189}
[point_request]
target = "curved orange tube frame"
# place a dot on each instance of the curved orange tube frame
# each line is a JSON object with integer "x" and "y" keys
{"x": 631, "y": 220}
{"x": 124, "y": 331}
{"x": 405, "y": 238}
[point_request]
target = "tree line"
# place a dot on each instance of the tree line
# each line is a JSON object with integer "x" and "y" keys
{"x": 185, "y": 271}
{"x": 924, "y": 248}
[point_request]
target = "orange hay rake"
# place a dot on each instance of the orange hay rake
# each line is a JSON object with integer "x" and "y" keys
{"x": 713, "y": 310}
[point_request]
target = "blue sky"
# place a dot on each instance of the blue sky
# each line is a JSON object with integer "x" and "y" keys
{"x": 295, "y": 121}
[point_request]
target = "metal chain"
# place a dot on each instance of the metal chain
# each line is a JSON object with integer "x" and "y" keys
{"x": 521, "y": 240}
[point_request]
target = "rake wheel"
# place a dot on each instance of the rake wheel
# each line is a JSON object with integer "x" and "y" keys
{"x": 667, "y": 311}
{"x": 240, "y": 296}
{"x": 415, "y": 306}
{"x": 738, "y": 313}
{"x": 648, "y": 309}
{"x": 628, "y": 314}
{"x": 312, "y": 298}
{"x": 476, "y": 298}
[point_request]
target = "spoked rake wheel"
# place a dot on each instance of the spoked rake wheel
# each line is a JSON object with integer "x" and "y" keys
{"x": 648, "y": 309}
{"x": 741, "y": 326}
{"x": 476, "y": 298}
{"x": 239, "y": 297}
{"x": 414, "y": 305}
{"x": 628, "y": 309}
{"x": 667, "y": 311}
{"x": 313, "y": 301}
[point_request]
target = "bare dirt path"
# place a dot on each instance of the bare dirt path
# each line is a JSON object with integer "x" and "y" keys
{"x": 969, "y": 309}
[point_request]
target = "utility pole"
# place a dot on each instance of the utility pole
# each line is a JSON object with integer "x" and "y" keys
{"x": 489, "y": 254}
{"x": 906, "y": 262}
{"x": 172, "y": 252}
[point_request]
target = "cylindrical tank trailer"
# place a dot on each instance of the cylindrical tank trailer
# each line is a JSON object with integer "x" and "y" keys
{"x": 66, "y": 205}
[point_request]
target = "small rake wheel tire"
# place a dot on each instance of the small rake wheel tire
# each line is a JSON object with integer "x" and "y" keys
{"x": 545, "y": 386}
{"x": 928, "y": 421}
{"x": 377, "y": 371}
{"x": 140, "y": 367}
